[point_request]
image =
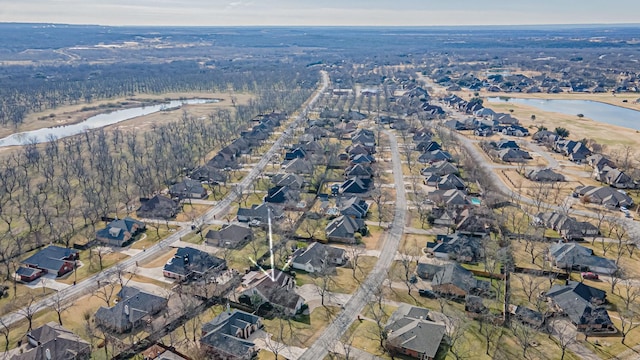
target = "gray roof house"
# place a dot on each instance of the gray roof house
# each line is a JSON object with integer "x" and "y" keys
{"x": 574, "y": 256}
{"x": 454, "y": 280}
{"x": 279, "y": 292}
{"x": 191, "y": 263}
{"x": 52, "y": 260}
{"x": 158, "y": 207}
{"x": 133, "y": 308}
{"x": 605, "y": 195}
{"x": 355, "y": 185}
{"x": 260, "y": 213}
{"x": 441, "y": 168}
{"x": 581, "y": 304}
{"x": 456, "y": 247}
{"x": 52, "y": 341}
{"x": 318, "y": 257}
{"x": 188, "y": 189}
{"x": 544, "y": 175}
{"x": 225, "y": 337}
{"x": 230, "y": 236}
{"x": 120, "y": 231}
{"x": 352, "y": 206}
{"x": 614, "y": 177}
{"x": 409, "y": 332}
{"x": 343, "y": 229}
{"x": 513, "y": 155}
{"x": 292, "y": 181}
{"x": 451, "y": 181}
{"x": 298, "y": 166}
{"x": 449, "y": 198}
{"x": 567, "y": 226}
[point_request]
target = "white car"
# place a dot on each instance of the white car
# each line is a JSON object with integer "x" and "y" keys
{"x": 624, "y": 209}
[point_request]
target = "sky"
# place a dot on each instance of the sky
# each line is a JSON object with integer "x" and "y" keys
{"x": 321, "y": 12}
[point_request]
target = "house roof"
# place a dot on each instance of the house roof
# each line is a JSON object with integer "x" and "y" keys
{"x": 571, "y": 299}
{"x": 278, "y": 292}
{"x": 236, "y": 319}
{"x": 427, "y": 271}
{"x": 60, "y": 343}
{"x": 544, "y": 175}
{"x": 456, "y": 275}
{"x": 188, "y": 261}
{"x": 343, "y": 227}
{"x": 353, "y": 206}
{"x": 227, "y": 344}
{"x": 354, "y": 185}
{"x": 158, "y": 206}
{"x": 576, "y": 288}
{"x": 317, "y": 255}
{"x": 187, "y": 186}
{"x": 410, "y": 329}
{"x": 117, "y": 229}
{"x": 261, "y": 212}
{"x": 574, "y": 254}
{"x": 230, "y": 232}
{"x": 459, "y": 245}
{"x": 50, "y": 258}
{"x": 277, "y": 194}
{"x": 134, "y": 305}
{"x": 293, "y": 181}
{"x": 359, "y": 170}
{"x": 440, "y": 168}
{"x": 298, "y": 166}
{"x": 27, "y": 271}
{"x": 605, "y": 195}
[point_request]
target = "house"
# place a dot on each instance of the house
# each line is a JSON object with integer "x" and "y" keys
{"x": 513, "y": 155}
{"x": 158, "y": 207}
{"x": 515, "y": 130}
{"x": 599, "y": 161}
{"x": 575, "y": 150}
{"x": 422, "y": 135}
{"x": 162, "y": 352}
{"x": 474, "y": 224}
{"x": 50, "y": 260}
{"x": 568, "y": 227}
{"x": 274, "y": 287}
{"x": 456, "y": 247}
{"x": 573, "y": 256}
{"x": 440, "y": 168}
{"x": 506, "y": 119}
{"x": 318, "y": 258}
{"x": 427, "y": 271}
{"x": 506, "y": 144}
{"x": 581, "y": 304}
{"x": 120, "y": 232}
{"x": 474, "y": 306}
{"x": 410, "y": 333}
{"x": 484, "y": 112}
{"x": 292, "y": 181}
{"x": 359, "y": 170}
{"x": 134, "y": 308}
{"x": 358, "y": 149}
{"x": 449, "y": 198}
{"x": 451, "y": 181}
{"x": 225, "y": 337}
{"x": 483, "y": 130}
{"x": 344, "y": 228}
{"x": 298, "y": 166}
{"x": 545, "y": 136}
{"x": 352, "y": 206}
{"x": 604, "y": 195}
{"x": 527, "y": 316}
{"x": 362, "y": 159}
{"x": 365, "y": 137}
{"x": 190, "y": 263}
{"x": 444, "y": 216}
{"x": 355, "y": 185}
{"x": 614, "y": 177}
{"x": 277, "y": 195}
{"x": 209, "y": 174}
{"x": 230, "y": 236}
{"x": 295, "y": 153}
{"x": 544, "y": 175}
{"x": 260, "y": 213}
{"x": 434, "y": 156}
{"x": 188, "y": 189}
{"x": 427, "y": 146}
{"x": 454, "y": 280}
{"x": 52, "y": 341}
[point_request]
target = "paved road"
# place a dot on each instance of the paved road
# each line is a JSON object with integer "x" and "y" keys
{"x": 364, "y": 294}
{"x": 91, "y": 284}
{"x": 632, "y": 227}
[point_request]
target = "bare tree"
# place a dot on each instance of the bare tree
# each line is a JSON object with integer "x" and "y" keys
{"x": 630, "y": 313}
{"x": 59, "y": 304}
{"x": 275, "y": 341}
{"x": 354, "y": 254}
{"x": 5, "y": 331}
{"x": 524, "y": 335}
{"x": 531, "y": 285}
{"x": 29, "y": 310}
{"x": 563, "y": 335}
{"x": 456, "y": 331}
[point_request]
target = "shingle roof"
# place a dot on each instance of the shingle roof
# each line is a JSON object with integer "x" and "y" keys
{"x": 134, "y": 305}
{"x": 188, "y": 261}
{"x": 61, "y": 344}
{"x": 50, "y": 258}
{"x": 317, "y": 255}
{"x": 410, "y": 329}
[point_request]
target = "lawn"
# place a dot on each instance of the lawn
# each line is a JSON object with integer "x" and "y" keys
{"x": 152, "y": 235}
{"x": 343, "y": 280}
{"x": 373, "y": 241}
{"x": 191, "y": 211}
{"x": 301, "y": 331}
{"x": 91, "y": 265}
{"x": 160, "y": 260}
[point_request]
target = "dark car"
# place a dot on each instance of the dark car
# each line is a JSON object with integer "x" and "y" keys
{"x": 413, "y": 279}
{"x": 427, "y": 293}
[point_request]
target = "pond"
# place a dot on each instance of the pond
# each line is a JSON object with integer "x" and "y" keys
{"x": 597, "y": 111}
{"x": 94, "y": 122}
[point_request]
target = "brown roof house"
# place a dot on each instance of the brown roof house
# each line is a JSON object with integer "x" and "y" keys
{"x": 52, "y": 341}
{"x": 411, "y": 333}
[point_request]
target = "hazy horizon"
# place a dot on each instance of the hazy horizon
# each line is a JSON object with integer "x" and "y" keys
{"x": 413, "y": 13}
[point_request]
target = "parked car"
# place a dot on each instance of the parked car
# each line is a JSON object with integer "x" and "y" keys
{"x": 413, "y": 279}
{"x": 589, "y": 275}
{"x": 427, "y": 293}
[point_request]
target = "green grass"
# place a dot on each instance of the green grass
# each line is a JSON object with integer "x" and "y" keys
{"x": 343, "y": 280}
{"x": 302, "y": 331}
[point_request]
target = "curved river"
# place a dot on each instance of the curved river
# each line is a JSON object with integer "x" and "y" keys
{"x": 597, "y": 111}
{"x": 94, "y": 122}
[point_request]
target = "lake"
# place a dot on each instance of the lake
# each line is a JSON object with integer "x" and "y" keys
{"x": 597, "y": 111}
{"x": 94, "y": 122}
